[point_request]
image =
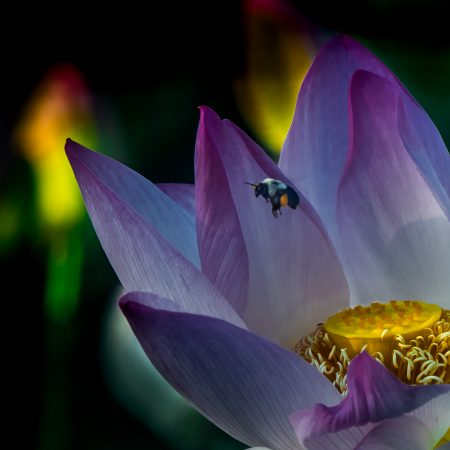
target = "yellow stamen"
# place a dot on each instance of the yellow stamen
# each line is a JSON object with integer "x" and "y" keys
{"x": 416, "y": 350}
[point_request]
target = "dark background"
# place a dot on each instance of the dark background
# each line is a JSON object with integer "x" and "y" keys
{"x": 152, "y": 69}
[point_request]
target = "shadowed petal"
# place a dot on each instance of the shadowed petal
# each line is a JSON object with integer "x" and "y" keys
{"x": 374, "y": 394}
{"x": 174, "y": 224}
{"x": 181, "y": 193}
{"x": 137, "y": 250}
{"x": 394, "y": 230}
{"x": 245, "y": 384}
{"x": 406, "y": 433}
{"x": 294, "y": 277}
{"x": 314, "y": 152}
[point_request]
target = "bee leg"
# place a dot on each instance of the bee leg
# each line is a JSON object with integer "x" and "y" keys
{"x": 275, "y": 212}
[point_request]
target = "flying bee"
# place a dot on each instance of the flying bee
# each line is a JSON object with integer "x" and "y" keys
{"x": 278, "y": 193}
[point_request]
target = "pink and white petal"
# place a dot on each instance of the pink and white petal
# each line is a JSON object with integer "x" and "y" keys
{"x": 341, "y": 440}
{"x": 141, "y": 257}
{"x": 426, "y": 147}
{"x": 374, "y": 394}
{"x": 294, "y": 276}
{"x": 390, "y": 434}
{"x": 436, "y": 415}
{"x": 314, "y": 152}
{"x": 394, "y": 230}
{"x": 406, "y": 433}
{"x": 242, "y": 382}
{"x": 259, "y": 448}
{"x": 183, "y": 194}
{"x": 174, "y": 224}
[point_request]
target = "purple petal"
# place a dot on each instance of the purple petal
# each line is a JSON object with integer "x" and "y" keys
{"x": 245, "y": 384}
{"x": 435, "y": 420}
{"x": 394, "y": 230}
{"x": 374, "y": 394}
{"x": 138, "y": 251}
{"x": 426, "y": 147}
{"x": 294, "y": 277}
{"x": 182, "y": 194}
{"x": 314, "y": 152}
{"x": 435, "y": 414}
{"x": 398, "y": 433}
{"x": 129, "y": 373}
{"x": 222, "y": 248}
{"x": 174, "y": 224}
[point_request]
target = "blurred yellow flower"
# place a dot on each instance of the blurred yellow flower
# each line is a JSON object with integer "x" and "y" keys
{"x": 59, "y": 108}
{"x": 280, "y": 50}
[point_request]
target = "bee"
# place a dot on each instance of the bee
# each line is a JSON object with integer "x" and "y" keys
{"x": 278, "y": 193}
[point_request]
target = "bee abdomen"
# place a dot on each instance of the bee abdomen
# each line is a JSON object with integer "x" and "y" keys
{"x": 292, "y": 198}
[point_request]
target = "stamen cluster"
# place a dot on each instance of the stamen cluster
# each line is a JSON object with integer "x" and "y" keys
{"x": 420, "y": 359}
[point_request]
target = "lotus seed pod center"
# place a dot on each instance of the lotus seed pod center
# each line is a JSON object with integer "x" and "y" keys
{"x": 375, "y": 326}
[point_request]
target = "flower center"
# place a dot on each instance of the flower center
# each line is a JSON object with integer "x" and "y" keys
{"x": 411, "y": 338}
{"x": 376, "y": 325}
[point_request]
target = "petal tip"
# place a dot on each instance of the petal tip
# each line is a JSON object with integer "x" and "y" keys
{"x": 75, "y": 150}
{"x": 72, "y": 150}
{"x": 362, "y": 363}
{"x": 207, "y": 114}
{"x": 70, "y": 147}
{"x": 126, "y": 303}
{"x": 344, "y": 42}
{"x": 132, "y": 308}
{"x": 130, "y": 301}
{"x": 209, "y": 125}
{"x": 362, "y": 356}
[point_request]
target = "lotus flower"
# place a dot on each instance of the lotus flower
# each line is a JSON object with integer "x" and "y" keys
{"x": 219, "y": 293}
